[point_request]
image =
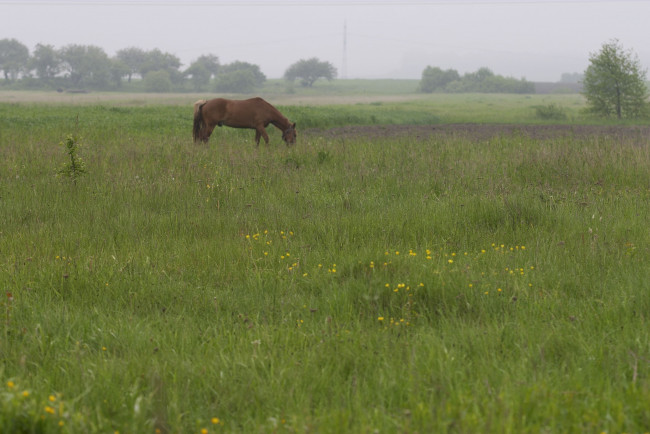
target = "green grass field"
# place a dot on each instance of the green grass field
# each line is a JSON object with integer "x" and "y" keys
{"x": 347, "y": 284}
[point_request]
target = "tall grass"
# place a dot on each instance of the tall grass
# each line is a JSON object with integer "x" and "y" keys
{"x": 342, "y": 285}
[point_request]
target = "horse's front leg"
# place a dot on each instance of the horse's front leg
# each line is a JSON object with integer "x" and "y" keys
{"x": 261, "y": 132}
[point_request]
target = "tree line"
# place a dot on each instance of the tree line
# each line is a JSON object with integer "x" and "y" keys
{"x": 88, "y": 67}
{"x": 614, "y": 83}
{"x": 435, "y": 79}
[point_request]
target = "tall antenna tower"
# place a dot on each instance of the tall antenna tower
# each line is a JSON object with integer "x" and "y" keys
{"x": 345, "y": 50}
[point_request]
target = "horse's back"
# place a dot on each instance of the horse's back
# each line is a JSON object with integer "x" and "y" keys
{"x": 248, "y": 113}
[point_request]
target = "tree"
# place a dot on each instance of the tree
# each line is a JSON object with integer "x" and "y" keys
{"x": 14, "y": 57}
{"x": 310, "y": 70}
{"x": 614, "y": 83}
{"x": 571, "y": 77}
{"x": 483, "y": 81}
{"x": 87, "y": 65}
{"x": 156, "y": 60}
{"x": 133, "y": 58}
{"x": 46, "y": 62}
{"x": 242, "y": 81}
{"x": 202, "y": 70}
{"x": 258, "y": 77}
{"x": 157, "y": 81}
{"x": 118, "y": 70}
{"x": 435, "y": 79}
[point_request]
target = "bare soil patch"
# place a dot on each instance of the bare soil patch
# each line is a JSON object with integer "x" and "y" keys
{"x": 485, "y": 132}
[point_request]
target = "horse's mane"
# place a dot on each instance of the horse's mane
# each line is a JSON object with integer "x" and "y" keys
{"x": 198, "y": 118}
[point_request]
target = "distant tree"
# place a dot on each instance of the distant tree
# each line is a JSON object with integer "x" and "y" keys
{"x": 482, "y": 80}
{"x": 157, "y": 81}
{"x": 242, "y": 81}
{"x": 571, "y": 77}
{"x": 258, "y": 77}
{"x": 118, "y": 70}
{"x": 133, "y": 58}
{"x": 156, "y": 60}
{"x": 46, "y": 62}
{"x": 481, "y": 75}
{"x": 202, "y": 70}
{"x": 614, "y": 83}
{"x": 435, "y": 79}
{"x": 14, "y": 58}
{"x": 86, "y": 65}
{"x": 310, "y": 70}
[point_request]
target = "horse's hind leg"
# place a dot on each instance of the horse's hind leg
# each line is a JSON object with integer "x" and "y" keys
{"x": 205, "y": 134}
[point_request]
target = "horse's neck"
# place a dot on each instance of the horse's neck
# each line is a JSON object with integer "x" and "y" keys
{"x": 280, "y": 121}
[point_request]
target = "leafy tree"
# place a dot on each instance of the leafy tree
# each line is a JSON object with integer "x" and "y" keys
{"x": 14, "y": 57}
{"x": 571, "y": 77}
{"x": 157, "y": 81}
{"x": 435, "y": 79}
{"x": 202, "y": 70}
{"x": 258, "y": 77}
{"x": 483, "y": 80}
{"x": 46, "y": 62}
{"x": 481, "y": 75}
{"x": 133, "y": 58}
{"x": 310, "y": 70}
{"x": 614, "y": 83}
{"x": 87, "y": 65}
{"x": 242, "y": 81}
{"x": 156, "y": 60}
{"x": 118, "y": 70}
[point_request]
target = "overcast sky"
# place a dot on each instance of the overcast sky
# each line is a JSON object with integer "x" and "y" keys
{"x": 536, "y": 40}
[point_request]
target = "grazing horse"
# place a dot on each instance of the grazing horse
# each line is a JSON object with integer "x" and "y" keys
{"x": 254, "y": 113}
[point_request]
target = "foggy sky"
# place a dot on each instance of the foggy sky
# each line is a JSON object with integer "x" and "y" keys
{"x": 536, "y": 40}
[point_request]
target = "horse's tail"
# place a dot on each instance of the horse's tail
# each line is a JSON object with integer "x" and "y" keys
{"x": 198, "y": 119}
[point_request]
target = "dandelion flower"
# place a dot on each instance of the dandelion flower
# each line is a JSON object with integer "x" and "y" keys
{"x": 214, "y": 420}
{"x": 381, "y": 318}
{"x": 10, "y": 384}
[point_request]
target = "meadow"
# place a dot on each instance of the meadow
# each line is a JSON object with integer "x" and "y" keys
{"x": 350, "y": 283}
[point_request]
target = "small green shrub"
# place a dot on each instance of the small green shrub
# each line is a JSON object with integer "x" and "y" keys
{"x": 74, "y": 168}
{"x": 550, "y": 112}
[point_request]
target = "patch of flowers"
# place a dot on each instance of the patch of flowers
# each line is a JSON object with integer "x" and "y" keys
{"x": 24, "y": 411}
{"x": 405, "y": 282}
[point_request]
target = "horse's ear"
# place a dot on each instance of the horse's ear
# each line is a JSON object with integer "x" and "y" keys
{"x": 293, "y": 126}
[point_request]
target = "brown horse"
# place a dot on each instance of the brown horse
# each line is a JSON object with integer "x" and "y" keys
{"x": 254, "y": 113}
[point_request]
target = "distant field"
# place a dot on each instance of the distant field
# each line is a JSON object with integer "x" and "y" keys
{"x": 416, "y": 263}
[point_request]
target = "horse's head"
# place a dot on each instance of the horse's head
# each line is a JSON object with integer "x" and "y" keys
{"x": 289, "y": 135}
